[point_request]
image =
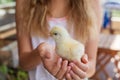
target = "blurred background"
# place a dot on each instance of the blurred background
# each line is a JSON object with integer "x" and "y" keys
{"x": 108, "y": 59}
{"x": 9, "y": 69}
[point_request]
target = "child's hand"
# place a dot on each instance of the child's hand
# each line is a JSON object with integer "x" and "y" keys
{"x": 78, "y": 69}
{"x": 52, "y": 62}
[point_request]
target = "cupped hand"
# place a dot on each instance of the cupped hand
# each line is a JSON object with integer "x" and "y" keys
{"x": 78, "y": 69}
{"x": 52, "y": 62}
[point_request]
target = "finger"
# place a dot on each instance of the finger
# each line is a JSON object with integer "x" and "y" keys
{"x": 68, "y": 69}
{"x": 78, "y": 71}
{"x": 63, "y": 70}
{"x": 74, "y": 76}
{"x": 57, "y": 67}
{"x": 82, "y": 66}
{"x": 68, "y": 76}
{"x": 84, "y": 58}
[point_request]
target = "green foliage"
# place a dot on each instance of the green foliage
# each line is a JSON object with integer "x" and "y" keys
{"x": 3, "y": 69}
{"x": 116, "y": 13}
{"x": 18, "y": 74}
{"x": 21, "y": 75}
{"x": 13, "y": 74}
{"x": 5, "y": 1}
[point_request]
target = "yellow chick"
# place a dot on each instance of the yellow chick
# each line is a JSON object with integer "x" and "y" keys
{"x": 66, "y": 47}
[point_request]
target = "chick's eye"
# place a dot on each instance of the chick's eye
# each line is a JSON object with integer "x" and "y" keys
{"x": 55, "y": 33}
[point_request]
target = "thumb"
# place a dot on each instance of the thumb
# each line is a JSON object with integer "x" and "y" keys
{"x": 84, "y": 58}
{"x": 44, "y": 53}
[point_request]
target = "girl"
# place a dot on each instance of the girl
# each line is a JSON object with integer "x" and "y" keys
{"x": 37, "y": 55}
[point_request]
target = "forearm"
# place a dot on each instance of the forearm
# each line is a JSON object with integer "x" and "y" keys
{"x": 92, "y": 45}
{"x": 29, "y": 60}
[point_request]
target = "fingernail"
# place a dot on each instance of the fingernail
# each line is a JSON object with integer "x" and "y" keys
{"x": 60, "y": 60}
{"x": 69, "y": 68}
{"x": 66, "y": 61}
{"x": 71, "y": 64}
{"x": 86, "y": 59}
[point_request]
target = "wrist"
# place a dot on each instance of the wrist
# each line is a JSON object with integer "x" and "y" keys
{"x": 91, "y": 70}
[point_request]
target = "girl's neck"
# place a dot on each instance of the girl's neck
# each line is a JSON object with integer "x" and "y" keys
{"x": 58, "y": 8}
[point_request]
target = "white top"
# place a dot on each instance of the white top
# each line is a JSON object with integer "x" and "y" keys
{"x": 40, "y": 73}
